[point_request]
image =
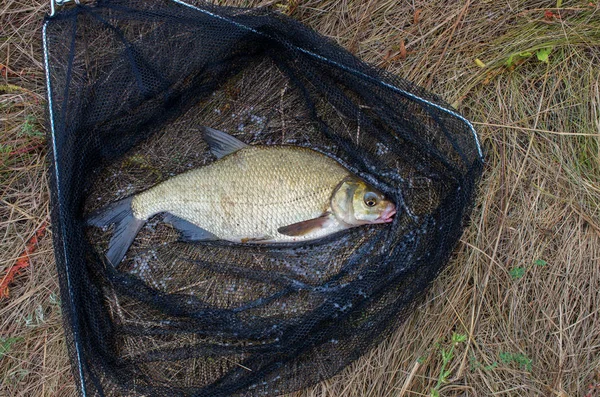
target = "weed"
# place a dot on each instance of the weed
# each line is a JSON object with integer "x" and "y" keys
{"x": 517, "y": 272}
{"x": 447, "y": 356}
{"x": 35, "y": 319}
{"x": 31, "y": 129}
{"x": 518, "y": 358}
{"x": 540, "y": 263}
{"x": 543, "y": 53}
{"x": 5, "y": 149}
{"x": 517, "y": 58}
{"x": 18, "y": 375}
{"x": 6, "y": 344}
{"x": 475, "y": 365}
{"x": 54, "y": 299}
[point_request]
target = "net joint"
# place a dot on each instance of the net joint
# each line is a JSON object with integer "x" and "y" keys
{"x": 59, "y": 3}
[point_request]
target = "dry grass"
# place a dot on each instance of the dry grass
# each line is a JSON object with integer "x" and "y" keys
{"x": 523, "y": 285}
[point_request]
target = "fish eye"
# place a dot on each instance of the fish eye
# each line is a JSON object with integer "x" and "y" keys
{"x": 370, "y": 199}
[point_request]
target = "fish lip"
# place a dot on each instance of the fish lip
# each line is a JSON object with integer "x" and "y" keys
{"x": 387, "y": 215}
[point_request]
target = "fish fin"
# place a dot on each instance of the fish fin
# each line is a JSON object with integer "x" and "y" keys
{"x": 261, "y": 239}
{"x": 189, "y": 231}
{"x": 126, "y": 228}
{"x": 221, "y": 144}
{"x": 305, "y": 227}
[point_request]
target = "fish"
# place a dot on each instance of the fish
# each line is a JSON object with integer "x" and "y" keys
{"x": 250, "y": 194}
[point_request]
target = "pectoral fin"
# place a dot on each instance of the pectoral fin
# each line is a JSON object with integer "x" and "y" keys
{"x": 189, "y": 231}
{"x": 246, "y": 240}
{"x": 305, "y": 227}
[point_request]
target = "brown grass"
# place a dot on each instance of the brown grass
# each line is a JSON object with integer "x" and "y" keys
{"x": 524, "y": 283}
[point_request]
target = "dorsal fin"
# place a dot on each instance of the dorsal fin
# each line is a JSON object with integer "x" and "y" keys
{"x": 221, "y": 144}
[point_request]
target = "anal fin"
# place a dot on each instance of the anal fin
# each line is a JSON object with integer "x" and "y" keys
{"x": 305, "y": 227}
{"x": 189, "y": 231}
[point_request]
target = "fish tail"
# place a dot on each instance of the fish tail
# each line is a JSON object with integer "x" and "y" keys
{"x": 127, "y": 227}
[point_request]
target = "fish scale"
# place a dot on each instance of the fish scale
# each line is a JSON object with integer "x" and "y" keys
{"x": 249, "y": 194}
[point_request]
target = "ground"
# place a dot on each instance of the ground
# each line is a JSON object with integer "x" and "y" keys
{"x": 516, "y": 312}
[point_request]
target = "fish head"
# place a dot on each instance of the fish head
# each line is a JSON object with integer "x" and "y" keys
{"x": 357, "y": 203}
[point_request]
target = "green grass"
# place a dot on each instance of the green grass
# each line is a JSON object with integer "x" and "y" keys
{"x": 31, "y": 128}
{"x": 6, "y": 345}
{"x": 447, "y": 355}
{"x": 518, "y": 359}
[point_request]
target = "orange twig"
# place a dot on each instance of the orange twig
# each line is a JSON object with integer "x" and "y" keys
{"x": 5, "y": 71}
{"x": 22, "y": 262}
{"x": 26, "y": 149}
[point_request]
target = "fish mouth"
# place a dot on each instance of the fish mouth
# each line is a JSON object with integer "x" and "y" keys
{"x": 387, "y": 215}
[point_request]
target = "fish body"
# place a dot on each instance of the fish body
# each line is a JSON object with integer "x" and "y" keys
{"x": 249, "y": 194}
{"x": 269, "y": 194}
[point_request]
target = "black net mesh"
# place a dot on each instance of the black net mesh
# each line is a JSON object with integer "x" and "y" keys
{"x": 130, "y": 82}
